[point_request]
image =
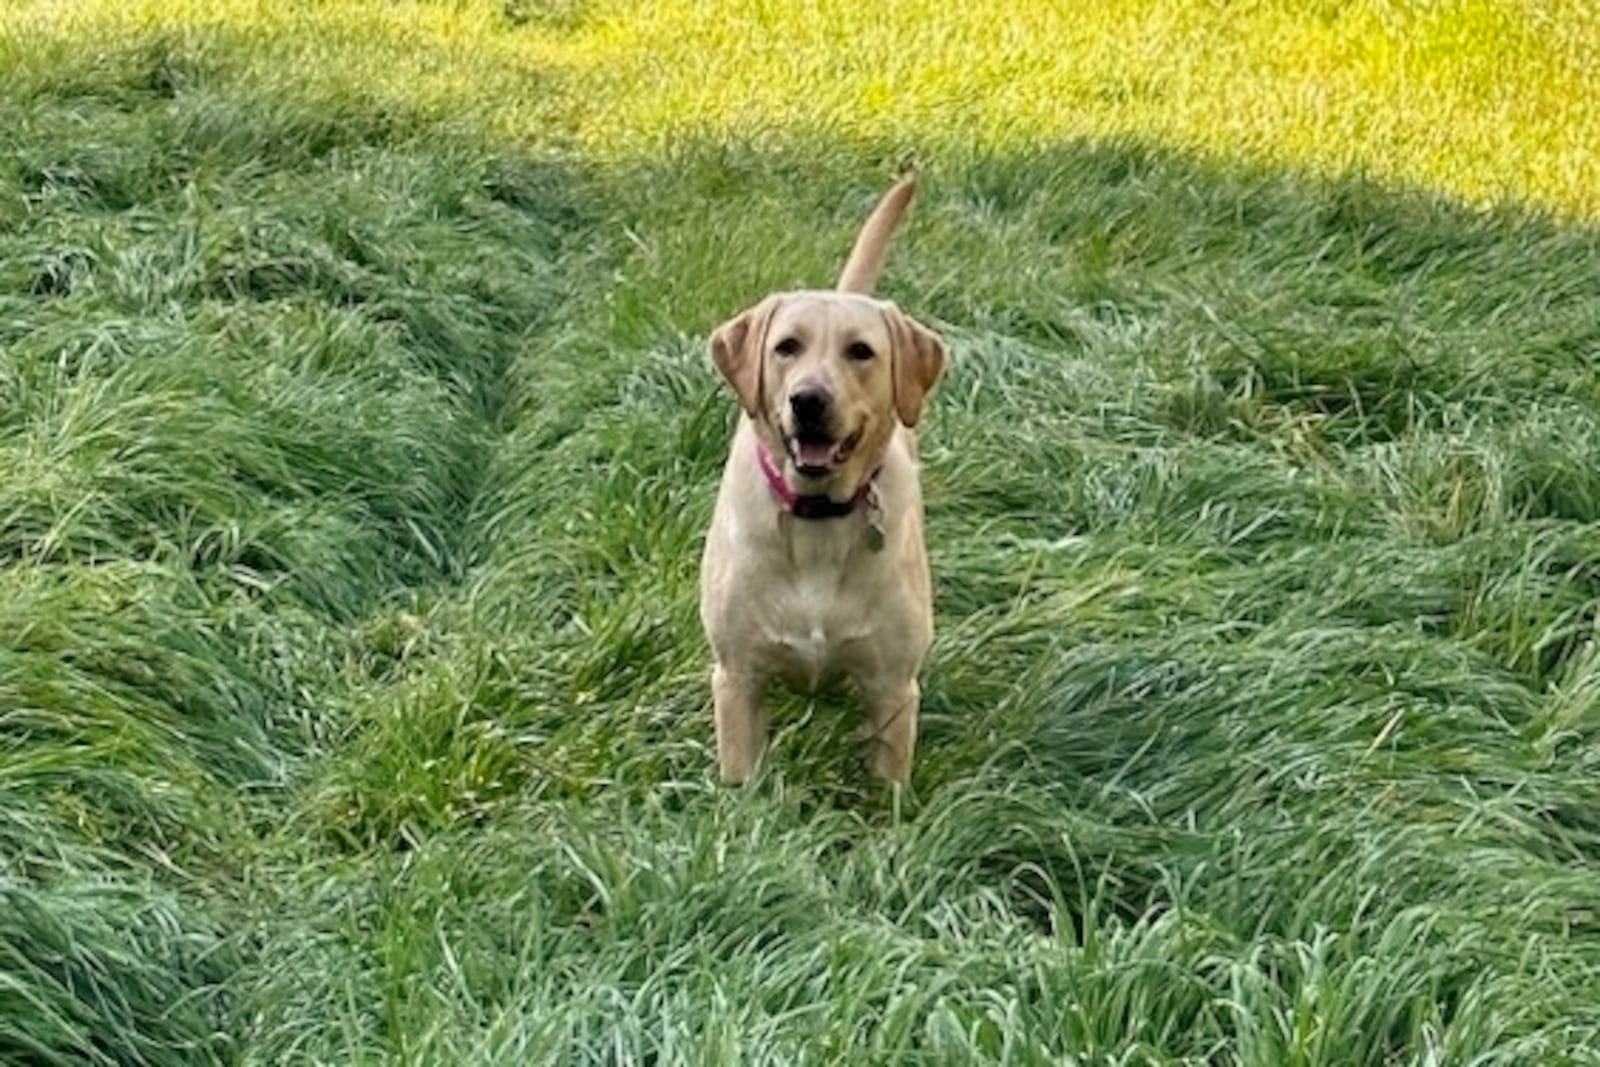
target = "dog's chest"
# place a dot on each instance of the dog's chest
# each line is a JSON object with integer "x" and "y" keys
{"x": 813, "y": 621}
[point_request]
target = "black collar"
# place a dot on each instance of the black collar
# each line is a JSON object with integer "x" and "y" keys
{"x": 823, "y": 506}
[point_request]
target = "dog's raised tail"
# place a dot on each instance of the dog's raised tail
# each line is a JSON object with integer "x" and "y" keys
{"x": 861, "y": 270}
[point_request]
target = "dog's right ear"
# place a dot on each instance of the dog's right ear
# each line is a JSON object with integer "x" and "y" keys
{"x": 737, "y": 349}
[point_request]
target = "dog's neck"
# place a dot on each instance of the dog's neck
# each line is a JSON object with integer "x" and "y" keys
{"x": 810, "y": 505}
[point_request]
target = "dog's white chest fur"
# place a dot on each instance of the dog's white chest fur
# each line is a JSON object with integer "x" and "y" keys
{"x": 807, "y": 635}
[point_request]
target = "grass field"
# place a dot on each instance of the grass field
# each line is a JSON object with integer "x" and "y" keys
{"x": 356, "y": 441}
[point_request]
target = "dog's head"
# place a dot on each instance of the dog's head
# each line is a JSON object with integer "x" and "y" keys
{"x": 825, "y": 376}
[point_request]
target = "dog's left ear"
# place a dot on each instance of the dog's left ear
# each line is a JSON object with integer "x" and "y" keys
{"x": 737, "y": 349}
{"x": 918, "y": 362}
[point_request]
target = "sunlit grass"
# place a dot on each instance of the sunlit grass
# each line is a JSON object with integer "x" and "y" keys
{"x": 1484, "y": 99}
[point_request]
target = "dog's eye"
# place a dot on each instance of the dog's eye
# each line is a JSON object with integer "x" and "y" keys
{"x": 859, "y": 351}
{"x": 789, "y": 346}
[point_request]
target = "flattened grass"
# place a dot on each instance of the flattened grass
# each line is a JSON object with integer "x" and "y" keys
{"x": 351, "y": 695}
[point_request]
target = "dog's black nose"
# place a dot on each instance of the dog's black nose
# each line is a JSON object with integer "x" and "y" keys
{"x": 810, "y": 405}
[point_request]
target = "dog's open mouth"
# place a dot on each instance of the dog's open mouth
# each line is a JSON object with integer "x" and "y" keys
{"x": 816, "y": 456}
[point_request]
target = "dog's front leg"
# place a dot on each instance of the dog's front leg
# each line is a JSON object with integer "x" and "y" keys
{"x": 892, "y": 729}
{"x": 741, "y": 722}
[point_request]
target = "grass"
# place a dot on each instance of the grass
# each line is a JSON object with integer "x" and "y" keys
{"x": 358, "y": 441}
{"x": 1485, "y": 99}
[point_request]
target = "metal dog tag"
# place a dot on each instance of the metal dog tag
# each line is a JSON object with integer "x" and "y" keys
{"x": 874, "y": 520}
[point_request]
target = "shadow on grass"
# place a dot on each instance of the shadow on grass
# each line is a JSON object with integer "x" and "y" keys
{"x": 256, "y": 359}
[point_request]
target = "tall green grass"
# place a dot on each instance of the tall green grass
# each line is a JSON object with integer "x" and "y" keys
{"x": 356, "y": 455}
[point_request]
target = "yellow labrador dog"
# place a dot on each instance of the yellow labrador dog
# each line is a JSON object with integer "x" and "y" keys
{"x": 814, "y": 569}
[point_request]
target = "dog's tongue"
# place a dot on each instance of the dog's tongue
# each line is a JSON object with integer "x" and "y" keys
{"x": 813, "y": 454}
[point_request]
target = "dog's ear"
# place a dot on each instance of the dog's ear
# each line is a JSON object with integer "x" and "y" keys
{"x": 737, "y": 348}
{"x": 918, "y": 362}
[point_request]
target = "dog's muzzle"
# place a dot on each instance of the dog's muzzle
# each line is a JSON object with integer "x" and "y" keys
{"x": 812, "y": 440}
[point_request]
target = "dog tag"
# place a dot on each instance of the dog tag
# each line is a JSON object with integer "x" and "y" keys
{"x": 874, "y": 520}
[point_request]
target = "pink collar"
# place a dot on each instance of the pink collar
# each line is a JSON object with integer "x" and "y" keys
{"x": 817, "y": 506}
